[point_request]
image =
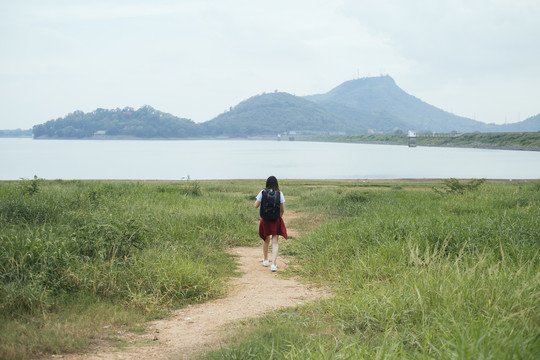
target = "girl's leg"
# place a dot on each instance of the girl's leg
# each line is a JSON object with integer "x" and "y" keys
{"x": 265, "y": 248}
{"x": 275, "y": 248}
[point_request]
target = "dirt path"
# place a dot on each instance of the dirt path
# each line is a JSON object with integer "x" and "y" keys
{"x": 199, "y": 328}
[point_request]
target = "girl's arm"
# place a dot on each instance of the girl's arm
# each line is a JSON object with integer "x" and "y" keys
{"x": 257, "y": 203}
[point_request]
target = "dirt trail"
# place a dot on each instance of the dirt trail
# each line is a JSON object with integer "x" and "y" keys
{"x": 199, "y": 328}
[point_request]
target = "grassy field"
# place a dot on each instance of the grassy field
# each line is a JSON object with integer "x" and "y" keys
{"x": 420, "y": 273}
{"x": 76, "y": 256}
{"x": 509, "y": 141}
{"x": 445, "y": 270}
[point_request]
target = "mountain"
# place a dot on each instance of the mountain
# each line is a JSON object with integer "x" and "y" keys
{"x": 388, "y": 108}
{"x": 279, "y": 112}
{"x": 374, "y": 104}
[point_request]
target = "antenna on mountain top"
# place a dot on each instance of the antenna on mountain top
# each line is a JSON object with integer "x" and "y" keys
{"x": 357, "y": 74}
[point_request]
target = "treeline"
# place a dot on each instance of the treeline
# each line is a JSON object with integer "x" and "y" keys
{"x": 145, "y": 122}
{"x": 268, "y": 114}
{"x": 16, "y": 133}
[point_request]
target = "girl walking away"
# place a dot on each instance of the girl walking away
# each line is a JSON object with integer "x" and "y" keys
{"x": 271, "y": 202}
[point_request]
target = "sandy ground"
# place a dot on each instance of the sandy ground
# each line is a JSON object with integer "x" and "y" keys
{"x": 203, "y": 327}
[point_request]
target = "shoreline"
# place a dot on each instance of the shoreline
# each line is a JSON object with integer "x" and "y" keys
{"x": 475, "y": 145}
{"x": 458, "y": 146}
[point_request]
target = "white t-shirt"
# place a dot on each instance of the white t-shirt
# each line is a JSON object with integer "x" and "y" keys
{"x": 281, "y": 197}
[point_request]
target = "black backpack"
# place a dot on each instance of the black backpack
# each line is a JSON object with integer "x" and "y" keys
{"x": 270, "y": 204}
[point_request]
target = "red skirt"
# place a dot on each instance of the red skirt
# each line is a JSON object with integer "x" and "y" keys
{"x": 272, "y": 227}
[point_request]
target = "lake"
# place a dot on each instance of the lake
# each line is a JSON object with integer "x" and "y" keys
{"x": 253, "y": 159}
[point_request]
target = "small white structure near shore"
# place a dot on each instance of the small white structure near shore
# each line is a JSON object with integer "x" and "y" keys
{"x": 412, "y": 138}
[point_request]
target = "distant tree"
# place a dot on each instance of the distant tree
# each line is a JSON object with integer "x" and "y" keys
{"x": 69, "y": 131}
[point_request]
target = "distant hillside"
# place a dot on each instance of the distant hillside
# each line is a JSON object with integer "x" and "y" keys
{"x": 145, "y": 122}
{"x": 530, "y": 124}
{"x": 361, "y": 106}
{"x": 387, "y": 108}
{"x": 270, "y": 114}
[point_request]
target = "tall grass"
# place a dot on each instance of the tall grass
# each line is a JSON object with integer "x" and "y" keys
{"x": 418, "y": 273}
{"x": 145, "y": 247}
{"x": 421, "y": 270}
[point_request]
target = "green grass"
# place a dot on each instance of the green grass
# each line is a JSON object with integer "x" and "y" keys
{"x": 72, "y": 326}
{"x": 442, "y": 270}
{"x": 518, "y": 141}
{"x": 512, "y": 141}
{"x": 418, "y": 274}
{"x": 141, "y": 247}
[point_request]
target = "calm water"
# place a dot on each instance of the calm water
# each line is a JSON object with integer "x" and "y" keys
{"x": 230, "y": 159}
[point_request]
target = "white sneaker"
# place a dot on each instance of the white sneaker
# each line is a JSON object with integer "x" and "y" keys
{"x": 273, "y": 267}
{"x": 265, "y": 263}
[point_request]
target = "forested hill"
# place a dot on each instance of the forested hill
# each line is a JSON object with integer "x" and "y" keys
{"x": 277, "y": 113}
{"x": 145, "y": 122}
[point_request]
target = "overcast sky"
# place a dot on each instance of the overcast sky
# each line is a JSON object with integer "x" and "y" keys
{"x": 196, "y": 58}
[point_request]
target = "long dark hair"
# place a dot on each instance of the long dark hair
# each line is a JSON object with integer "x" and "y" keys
{"x": 271, "y": 183}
